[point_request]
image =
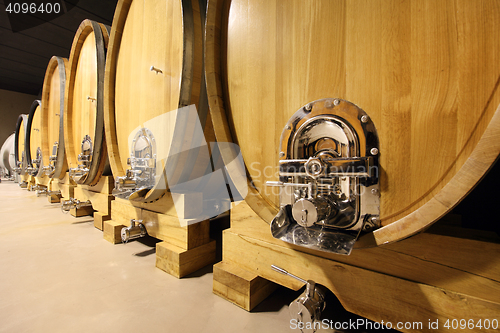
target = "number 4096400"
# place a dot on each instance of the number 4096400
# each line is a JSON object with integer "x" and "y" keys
{"x": 33, "y": 8}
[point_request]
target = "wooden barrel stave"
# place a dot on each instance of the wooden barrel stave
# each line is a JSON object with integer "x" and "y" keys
{"x": 417, "y": 75}
{"x": 34, "y": 139}
{"x": 159, "y": 71}
{"x": 53, "y": 116}
{"x": 84, "y": 100}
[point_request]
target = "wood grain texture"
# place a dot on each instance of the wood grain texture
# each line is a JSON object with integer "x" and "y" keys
{"x": 53, "y": 113}
{"x": 84, "y": 98}
{"x": 101, "y": 202}
{"x": 243, "y": 288}
{"x": 145, "y": 34}
{"x": 425, "y": 72}
{"x": 428, "y": 276}
{"x": 35, "y": 135}
{"x": 179, "y": 262}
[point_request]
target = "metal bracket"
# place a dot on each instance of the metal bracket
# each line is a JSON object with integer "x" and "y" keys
{"x": 142, "y": 161}
{"x": 328, "y": 174}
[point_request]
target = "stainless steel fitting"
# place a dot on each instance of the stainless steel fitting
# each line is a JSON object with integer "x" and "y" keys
{"x": 67, "y": 205}
{"x": 307, "y": 308}
{"x": 134, "y": 231}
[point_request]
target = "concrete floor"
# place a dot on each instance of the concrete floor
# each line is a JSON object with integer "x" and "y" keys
{"x": 58, "y": 274}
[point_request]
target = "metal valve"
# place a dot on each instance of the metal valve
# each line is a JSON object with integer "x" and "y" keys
{"x": 142, "y": 161}
{"x": 40, "y": 192}
{"x": 79, "y": 174}
{"x": 328, "y": 172}
{"x": 37, "y": 188}
{"x": 49, "y": 170}
{"x": 134, "y": 231}
{"x": 67, "y": 205}
{"x": 307, "y": 308}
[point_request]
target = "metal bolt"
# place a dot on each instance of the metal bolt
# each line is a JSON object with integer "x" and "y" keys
{"x": 374, "y": 151}
{"x": 374, "y": 191}
{"x": 364, "y": 119}
{"x": 308, "y": 107}
{"x": 282, "y": 154}
{"x": 288, "y": 127}
{"x": 336, "y": 102}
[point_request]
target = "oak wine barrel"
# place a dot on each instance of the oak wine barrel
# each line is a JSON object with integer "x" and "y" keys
{"x": 19, "y": 144}
{"x": 424, "y": 74}
{"x": 53, "y": 151}
{"x": 33, "y": 150}
{"x": 157, "y": 122}
{"x": 84, "y": 104}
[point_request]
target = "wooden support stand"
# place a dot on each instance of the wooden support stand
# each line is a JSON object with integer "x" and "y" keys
{"x": 42, "y": 181}
{"x": 31, "y": 182}
{"x": 100, "y": 195}
{"x": 184, "y": 250}
{"x": 430, "y": 276}
{"x": 239, "y": 286}
{"x": 65, "y": 185}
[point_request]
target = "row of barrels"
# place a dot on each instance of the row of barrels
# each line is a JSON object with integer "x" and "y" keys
{"x": 425, "y": 73}
{"x": 45, "y": 137}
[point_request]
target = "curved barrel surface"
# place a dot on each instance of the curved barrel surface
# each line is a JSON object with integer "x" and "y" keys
{"x": 425, "y": 72}
{"x": 34, "y": 139}
{"x": 53, "y": 151}
{"x": 153, "y": 79}
{"x": 84, "y": 118}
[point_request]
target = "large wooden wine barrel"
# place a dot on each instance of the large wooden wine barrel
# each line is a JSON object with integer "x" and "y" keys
{"x": 33, "y": 150}
{"x": 153, "y": 74}
{"x": 84, "y": 108}
{"x": 7, "y": 155}
{"x": 19, "y": 144}
{"x": 426, "y": 72}
{"x": 53, "y": 151}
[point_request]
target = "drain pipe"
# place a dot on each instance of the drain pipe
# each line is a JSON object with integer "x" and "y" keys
{"x": 136, "y": 230}
{"x": 67, "y": 205}
{"x": 307, "y": 308}
{"x": 45, "y": 191}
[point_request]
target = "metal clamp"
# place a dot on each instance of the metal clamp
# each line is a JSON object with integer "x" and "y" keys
{"x": 134, "y": 231}
{"x": 307, "y": 308}
{"x": 328, "y": 172}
